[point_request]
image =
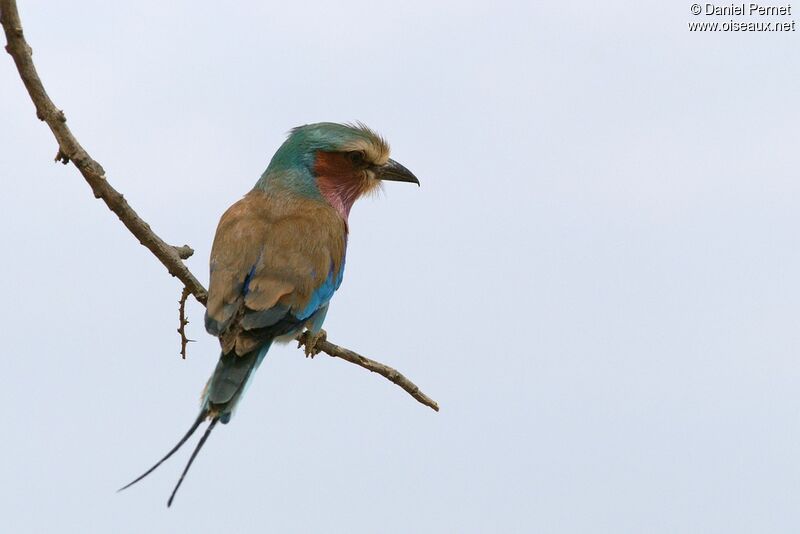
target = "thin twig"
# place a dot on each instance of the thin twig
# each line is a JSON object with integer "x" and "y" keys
{"x": 185, "y": 252}
{"x": 183, "y": 321}
{"x": 371, "y": 365}
{"x": 69, "y": 149}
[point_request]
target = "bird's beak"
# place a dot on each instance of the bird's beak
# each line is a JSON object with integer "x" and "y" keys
{"x": 394, "y": 172}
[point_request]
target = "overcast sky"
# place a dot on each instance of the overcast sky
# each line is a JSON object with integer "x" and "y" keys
{"x": 599, "y": 279}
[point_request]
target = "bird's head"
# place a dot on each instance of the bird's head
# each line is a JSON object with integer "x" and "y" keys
{"x": 337, "y": 162}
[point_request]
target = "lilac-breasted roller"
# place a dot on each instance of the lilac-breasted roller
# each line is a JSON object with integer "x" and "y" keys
{"x": 279, "y": 253}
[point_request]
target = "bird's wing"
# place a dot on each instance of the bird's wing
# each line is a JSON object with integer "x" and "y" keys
{"x": 275, "y": 261}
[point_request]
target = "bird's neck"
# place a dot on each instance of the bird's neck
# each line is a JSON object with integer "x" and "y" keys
{"x": 329, "y": 179}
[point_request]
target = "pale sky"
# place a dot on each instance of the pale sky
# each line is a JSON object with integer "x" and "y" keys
{"x": 599, "y": 279}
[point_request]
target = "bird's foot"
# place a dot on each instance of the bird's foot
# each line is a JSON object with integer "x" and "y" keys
{"x": 310, "y": 342}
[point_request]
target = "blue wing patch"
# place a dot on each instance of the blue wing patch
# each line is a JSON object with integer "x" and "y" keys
{"x": 322, "y": 295}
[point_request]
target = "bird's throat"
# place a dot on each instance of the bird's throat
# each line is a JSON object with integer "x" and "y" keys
{"x": 338, "y": 183}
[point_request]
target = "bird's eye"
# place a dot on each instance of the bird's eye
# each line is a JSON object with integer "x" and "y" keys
{"x": 356, "y": 157}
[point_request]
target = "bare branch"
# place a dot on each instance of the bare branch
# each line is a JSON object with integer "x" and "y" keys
{"x": 69, "y": 149}
{"x": 371, "y": 365}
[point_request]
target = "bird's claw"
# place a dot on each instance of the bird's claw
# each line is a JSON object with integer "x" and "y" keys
{"x": 311, "y": 342}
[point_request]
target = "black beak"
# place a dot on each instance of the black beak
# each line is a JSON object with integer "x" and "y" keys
{"x": 394, "y": 172}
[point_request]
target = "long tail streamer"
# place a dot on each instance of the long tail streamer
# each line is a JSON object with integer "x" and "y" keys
{"x": 192, "y": 457}
{"x": 191, "y": 431}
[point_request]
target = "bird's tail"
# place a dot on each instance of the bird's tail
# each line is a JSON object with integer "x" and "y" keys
{"x": 223, "y": 392}
{"x": 229, "y": 382}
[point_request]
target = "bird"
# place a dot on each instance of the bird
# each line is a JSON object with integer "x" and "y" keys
{"x": 278, "y": 257}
